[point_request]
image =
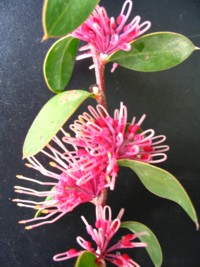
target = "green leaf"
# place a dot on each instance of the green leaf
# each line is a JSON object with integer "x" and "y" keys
{"x": 59, "y": 63}
{"x": 61, "y": 17}
{"x": 155, "y": 52}
{"x": 51, "y": 118}
{"x": 162, "y": 184}
{"x": 153, "y": 247}
{"x": 39, "y": 212}
{"x": 86, "y": 259}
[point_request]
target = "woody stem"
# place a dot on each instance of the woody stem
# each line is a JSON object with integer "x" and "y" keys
{"x": 99, "y": 73}
{"x": 100, "y": 98}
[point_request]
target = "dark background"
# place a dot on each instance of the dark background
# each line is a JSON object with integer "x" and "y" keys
{"x": 170, "y": 99}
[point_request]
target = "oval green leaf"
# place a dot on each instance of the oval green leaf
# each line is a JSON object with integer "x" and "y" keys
{"x": 155, "y": 52}
{"x": 51, "y": 118}
{"x": 153, "y": 248}
{"x": 162, "y": 184}
{"x": 61, "y": 17}
{"x": 87, "y": 259}
{"x": 59, "y": 63}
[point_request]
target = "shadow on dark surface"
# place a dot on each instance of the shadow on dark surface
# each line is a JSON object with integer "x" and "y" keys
{"x": 170, "y": 99}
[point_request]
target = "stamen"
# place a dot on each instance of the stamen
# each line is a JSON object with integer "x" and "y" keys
{"x": 53, "y": 164}
{"x": 44, "y": 222}
{"x": 28, "y": 227}
{"x": 122, "y": 19}
{"x": 121, "y": 213}
{"x": 22, "y": 222}
{"x": 64, "y": 133}
{"x": 45, "y": 211}
{"x": 83, "y": 56}
{"x": 107, "y": 213}
{"x": 57, "y": 156}
{"x": 162, "y": 157}
{"x": 141, "y": 119}
{"x": 25, "y": 205}
{"x": 28, "y": 165}
{"x": 85, "y": 221}
{"x": 127, "y": 2}
{"x": 34, "y": 180}
{"x": 114, "y": 66}
{"x": 163, "y": 148}
{"x": 92, "y": 67}
{"x": 161, "y": 137}
{"x": 145, "y": 25}
{"x": 84, "y": 48}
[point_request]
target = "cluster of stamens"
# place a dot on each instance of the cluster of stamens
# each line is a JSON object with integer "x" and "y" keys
{"x": 107, "y": 35}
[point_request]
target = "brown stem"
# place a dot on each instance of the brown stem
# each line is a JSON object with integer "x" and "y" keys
{"x": 100, "y": 98}
{"x": 99, "y": 73}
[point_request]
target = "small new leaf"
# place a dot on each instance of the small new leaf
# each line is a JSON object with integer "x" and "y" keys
{"x": 87, "y": 259}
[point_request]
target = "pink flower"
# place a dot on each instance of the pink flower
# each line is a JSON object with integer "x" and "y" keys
{"x": 102, "y": 234}
{"x": 98, "y": 135}
{"x": 66, "y": 193}
{"x": 106, "y": 35}
{"x": 84, "y": 171}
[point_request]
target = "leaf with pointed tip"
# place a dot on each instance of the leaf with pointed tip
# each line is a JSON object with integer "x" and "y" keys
{"x": 153, "y": 247}
{"x": 51, "y": 118}
{"x": 155, "y": 52}
{"x": 37, "y": 214}
{"x": 162, "y": 184}
{"x": 60, "y": 17}
{"x": 59, "y": 63}
{"x": 86, "y": 259}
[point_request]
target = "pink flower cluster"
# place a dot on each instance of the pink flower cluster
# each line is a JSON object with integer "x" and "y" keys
{"x": 90, "y": 166}
{"x": 66, "y": 193}
{"x": 102, "y": 234}
{"x": 103, "y": 140}
{"x": 107, "y": 35}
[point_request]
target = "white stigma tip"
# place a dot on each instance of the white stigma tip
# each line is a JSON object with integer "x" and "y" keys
{"x": 28, "y": 227}
{"x": 28, "y": 165}
{"x": 20, "y": 204}
{"x": 19, "y": 176}
{"x": 15, "y": 200}
{"x": 22, "y": 222}
{"x": 18, "y": 191}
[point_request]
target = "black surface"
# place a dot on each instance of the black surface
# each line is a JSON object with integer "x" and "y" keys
{"x": 170, "y": 99}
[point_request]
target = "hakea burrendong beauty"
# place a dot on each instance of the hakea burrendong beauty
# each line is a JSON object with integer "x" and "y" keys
{"x": 91, "y": 166}
{"x": 107, "y": 35}
{"x": 102, "y": 234}
{"x": 65, "y": 194}
{"x": 98, "y": 135}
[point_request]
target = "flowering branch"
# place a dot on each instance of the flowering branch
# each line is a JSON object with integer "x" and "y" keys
{"x": 102, "y": 234}
{"x": 87, "y": 161}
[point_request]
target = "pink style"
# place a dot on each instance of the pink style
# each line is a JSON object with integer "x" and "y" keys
{"x": 107, "y": 35}
{"x": 98, "y": 135}
{"x": 84, "y": 171}
{"x": 102, "y": 234}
